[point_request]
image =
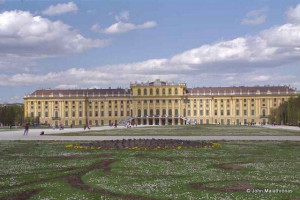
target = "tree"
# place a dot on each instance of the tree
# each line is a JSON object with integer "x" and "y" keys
{"x": 12, "y": 114}
{"x": 287, "y": 113}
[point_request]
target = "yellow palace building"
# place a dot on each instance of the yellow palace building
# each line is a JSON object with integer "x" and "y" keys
{"x": 156, "y": 103}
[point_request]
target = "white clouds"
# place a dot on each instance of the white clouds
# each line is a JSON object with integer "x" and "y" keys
{"x": 64, "y": 86}
{"x": 122, "y": 27}
{"x": 236, "y": 61}
{"x": 293, "y": 14}
{"x": 236, "y": 57}
{"x": 255, "y": 17}
{"x": 60, "y": 9}
{"x": 222, "y": 51}
{"x": 287, "y": 35}
{"x": 14, "y": 99}
{"x": 259, "y": 78}
{"x": 280, "y": 43}
{"x": 122, "y": 16}
{"x": 24, "y": 36}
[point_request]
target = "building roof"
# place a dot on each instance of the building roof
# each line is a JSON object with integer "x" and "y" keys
{"x": 81, "y": 92}
{"x": 241, "y": 90}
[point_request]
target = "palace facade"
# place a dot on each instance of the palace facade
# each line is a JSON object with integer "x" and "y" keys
{"x": 156, "y": 103}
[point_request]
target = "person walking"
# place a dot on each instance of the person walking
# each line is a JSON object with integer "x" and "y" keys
{"x": 26, "y": 129}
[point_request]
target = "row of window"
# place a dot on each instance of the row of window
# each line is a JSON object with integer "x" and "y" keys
{"x": 157, "y": 101}
{"x": 80, "y": 122}
{"x": 80, "y": 102}
{"x": 80, "y": 114}
{"x": 157, "y": 91}
{"x": 157, "y": 112}
{"x": 145, "y": 101}
{"x": 96, "y": 107}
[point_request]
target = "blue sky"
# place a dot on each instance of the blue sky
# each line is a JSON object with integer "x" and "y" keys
{"x": 202, "y": 43}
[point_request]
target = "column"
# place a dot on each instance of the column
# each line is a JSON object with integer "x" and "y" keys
{"x": 173, "y": 121}
{"x": 160, "y": 121}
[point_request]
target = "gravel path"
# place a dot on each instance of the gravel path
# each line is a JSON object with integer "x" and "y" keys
{"x": 34, "y": 135}
{"x": 292, "y": 128}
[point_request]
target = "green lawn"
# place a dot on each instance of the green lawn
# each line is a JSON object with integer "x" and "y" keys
{"x": 48, "y": 170}
{"x": 189, "y": 130}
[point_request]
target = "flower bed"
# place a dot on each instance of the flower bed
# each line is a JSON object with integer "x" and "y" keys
{"x": 144, "y": 144}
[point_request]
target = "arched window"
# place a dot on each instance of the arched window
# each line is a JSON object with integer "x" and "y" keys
{"x": 139, "y": 112}
{"x": 151, "y": 91}
{"x": 139, "y": 91}
{"x": 164, "y": 112}
{"x": 264, "y": 112}
{"x": 176, "y": 112}
{"x": 56, "y": 114}
{"x": 145, "y": 91}
{"x": 164, "y": 91}
{"x": 157, "y": 91}
{"x": 170, "y": 91}
{"x": 151, "y": 112}
{"x": 145, "y": 112}
{"x": 170, "y": 111}
{"x": 157, "y": 111}
{"x": 176, "y": 91}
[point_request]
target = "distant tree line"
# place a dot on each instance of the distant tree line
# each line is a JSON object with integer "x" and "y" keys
{"x": 287, "y": 113}
{"x": 11, "y": 114}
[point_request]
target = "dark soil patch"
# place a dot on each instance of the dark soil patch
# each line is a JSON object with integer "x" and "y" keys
{"x": 230, "y": 166}
{"x": 84, "y": 169}
{"x": 23, "y": 195}
{"x": 76, "y": 182}
{"x": 168, "y": 159}
{"x": 238, "y": 187}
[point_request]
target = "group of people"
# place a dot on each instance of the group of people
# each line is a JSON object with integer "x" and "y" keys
{"x": 113, "y": 125}
{"x": 87, "y": 126}
{"x": 132, "y": 124}
{"x": 61, "y": 126}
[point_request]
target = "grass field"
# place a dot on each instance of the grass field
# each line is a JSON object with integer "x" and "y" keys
{"x": 48, "y": 170}
{"x": 191, "y": 130}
